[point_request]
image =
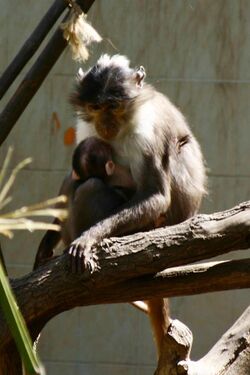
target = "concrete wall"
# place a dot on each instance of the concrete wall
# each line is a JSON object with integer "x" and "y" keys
{"x": 198, "y": 53}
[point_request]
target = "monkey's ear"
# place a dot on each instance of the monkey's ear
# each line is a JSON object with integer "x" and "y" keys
{"x": 81, "y": 74}
{"x": 74, "y": 175}
{"x": 110, "y": 167}
{"x": 139, "y": 76}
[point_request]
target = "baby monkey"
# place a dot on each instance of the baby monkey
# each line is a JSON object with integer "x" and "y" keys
{"x": 92, "y": 160}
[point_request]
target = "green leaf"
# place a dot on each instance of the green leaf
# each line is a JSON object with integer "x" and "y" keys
{"x": 18, "y": 326}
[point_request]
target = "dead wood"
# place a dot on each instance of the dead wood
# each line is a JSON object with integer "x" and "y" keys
{"x": 229, "y": 356}
{"x": 133, "y": 266}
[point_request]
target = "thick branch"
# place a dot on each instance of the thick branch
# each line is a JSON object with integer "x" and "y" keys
{"x": 53, "y": 289}
{"x": 179, "y": 281}
{"x": 229, "y": 356}
{"x": 201, "y": 237}
{"x": 235, "y": 346}
{"x": 175, "y": 349}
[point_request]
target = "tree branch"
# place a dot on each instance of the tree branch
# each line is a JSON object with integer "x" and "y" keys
{"x": 229, "y": 356}
{"x": 130, "y": 263}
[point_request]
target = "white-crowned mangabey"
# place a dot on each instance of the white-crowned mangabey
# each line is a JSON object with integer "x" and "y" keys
{"x": 151, "y": 138}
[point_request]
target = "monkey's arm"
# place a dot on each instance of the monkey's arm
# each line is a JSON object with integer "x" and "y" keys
{"x": 151, "y": 199}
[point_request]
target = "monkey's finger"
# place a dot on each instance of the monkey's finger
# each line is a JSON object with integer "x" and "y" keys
{"x": 89, "y": 267}
{"x": 92, "y": 265}
{"x": 88, "y": 262}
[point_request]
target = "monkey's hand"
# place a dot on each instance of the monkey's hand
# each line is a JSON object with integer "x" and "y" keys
{"x": 82, "y": 254}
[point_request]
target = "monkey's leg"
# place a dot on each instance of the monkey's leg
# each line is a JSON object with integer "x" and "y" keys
{"x": 158, "y": 310}
{"x": 47, "y": 245}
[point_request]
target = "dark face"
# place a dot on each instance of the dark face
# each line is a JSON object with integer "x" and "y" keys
{"x": 108, "y": 118}
{"x": 105, "y": 97}
{"x": 90, "y": 158}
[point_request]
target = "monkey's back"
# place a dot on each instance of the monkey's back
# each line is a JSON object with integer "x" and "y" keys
{"x": 185, "y": 163}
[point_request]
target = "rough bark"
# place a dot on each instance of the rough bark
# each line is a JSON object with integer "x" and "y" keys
{"x": 133, "y": 266}
{"x": 176, "y": 348}
{"x": 229, "y": 356}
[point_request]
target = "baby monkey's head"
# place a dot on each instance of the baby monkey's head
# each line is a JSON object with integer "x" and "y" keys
{"x": 92, "y": 158}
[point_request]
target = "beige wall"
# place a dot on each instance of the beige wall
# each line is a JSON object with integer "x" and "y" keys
{"x": 198, "y": 53}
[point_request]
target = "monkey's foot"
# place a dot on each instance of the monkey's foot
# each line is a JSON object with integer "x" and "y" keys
{"x": 83, "y": 256}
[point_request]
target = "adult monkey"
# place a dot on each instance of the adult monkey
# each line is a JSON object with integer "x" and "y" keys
{"x": 150, "y": 137}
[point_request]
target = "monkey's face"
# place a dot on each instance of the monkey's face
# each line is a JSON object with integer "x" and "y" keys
{"x": 105, "y": 95}
{"x": 109, "y": 118}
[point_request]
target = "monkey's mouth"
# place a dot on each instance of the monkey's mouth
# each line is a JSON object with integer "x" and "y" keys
{"x": 107, "y": 131}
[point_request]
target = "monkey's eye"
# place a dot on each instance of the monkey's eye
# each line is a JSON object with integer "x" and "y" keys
{"x": 113, "y": 106}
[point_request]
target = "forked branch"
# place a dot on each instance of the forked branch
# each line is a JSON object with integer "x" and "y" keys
{"x": 133, "y": 266}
